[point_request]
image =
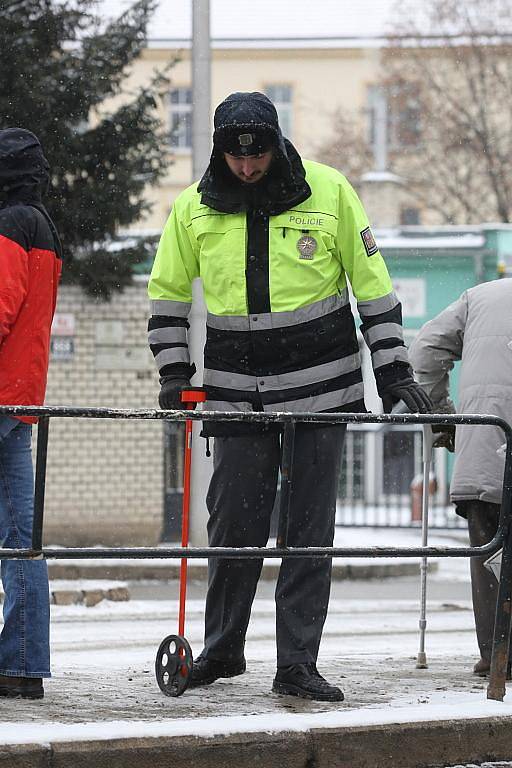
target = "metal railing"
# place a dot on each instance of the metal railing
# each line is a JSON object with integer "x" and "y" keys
{"x": 382, "y": 477}
{"x": 503, "y": 538}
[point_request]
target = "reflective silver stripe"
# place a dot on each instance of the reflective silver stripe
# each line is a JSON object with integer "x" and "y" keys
{"x": 317, "y": 403}
{"x": 172, "y": 355}
{"x": 281, "y": 381}
{"x": 386, "y": 356}
{"x": 228, "y": 380}
{"x": 383, "y": 331}
{"x": 169, "y": 335}
{"x": 170, "y": 308}
{"x": 268, "y": 320}
{"x": 228, "y": 322}
{"x": 377, "y": 306}
{"x": 310, "y": 375}
{"x": 223, "y": 405}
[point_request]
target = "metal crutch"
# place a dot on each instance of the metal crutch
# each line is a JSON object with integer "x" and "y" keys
{"x": 428, "y": 440}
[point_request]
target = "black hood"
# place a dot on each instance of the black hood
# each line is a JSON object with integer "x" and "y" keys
{"x": 24, "y": 170}
{"x": 248, "y": 123}
{"x": 250, "y": 116}
{"x": 24, "y": 174}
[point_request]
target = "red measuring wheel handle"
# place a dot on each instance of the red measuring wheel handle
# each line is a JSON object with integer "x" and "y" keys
{"x": 174, "y": 660}
{"x": 189, "y": 397}
{"x": 192, "y": 396}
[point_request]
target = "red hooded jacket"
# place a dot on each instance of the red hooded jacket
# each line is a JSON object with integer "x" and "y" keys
{"x": 30, "y": 268}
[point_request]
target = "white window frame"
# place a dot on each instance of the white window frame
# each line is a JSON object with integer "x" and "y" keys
{"x": 283, "y": 106}
{"x": 178, "y": 109}
{"x": 394, "y": 131}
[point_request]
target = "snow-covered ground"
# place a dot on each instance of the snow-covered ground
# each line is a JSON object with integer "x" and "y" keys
{"x": 103, "y": 662}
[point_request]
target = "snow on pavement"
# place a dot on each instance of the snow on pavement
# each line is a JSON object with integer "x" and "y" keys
{"x": 104, "y": 685}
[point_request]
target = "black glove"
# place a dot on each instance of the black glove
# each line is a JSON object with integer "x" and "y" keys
{"x": 169, "y": 398}
{"x": 445, "y": 436}
{"x": 408, "y": 390}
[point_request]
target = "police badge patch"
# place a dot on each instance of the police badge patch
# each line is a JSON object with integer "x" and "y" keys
{"x": 369, "y": 243}
{"x": 245, "y": 139}
{"x": 306, "y": 246}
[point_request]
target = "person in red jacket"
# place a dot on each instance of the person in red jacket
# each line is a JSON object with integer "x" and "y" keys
{"x": 30, "y": 267}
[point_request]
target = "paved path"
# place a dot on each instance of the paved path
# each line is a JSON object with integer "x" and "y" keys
{"x": 103, "y": 708}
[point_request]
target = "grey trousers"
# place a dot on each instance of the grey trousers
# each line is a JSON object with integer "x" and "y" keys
{"x": 482, "y": 519}
{"x": 240, "y": 501}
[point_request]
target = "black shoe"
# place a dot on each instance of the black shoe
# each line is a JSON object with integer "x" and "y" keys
{"x": 483, "y": 669}
{"x": 21, "y": 687}
{"x": 206, "y": 671}
{"x": 305, "y": 681}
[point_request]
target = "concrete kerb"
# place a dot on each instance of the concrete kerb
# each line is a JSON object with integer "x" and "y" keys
{"x": 432, "y": 744}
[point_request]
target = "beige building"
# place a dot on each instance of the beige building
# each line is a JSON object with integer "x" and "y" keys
{"x": 314, "y": 62}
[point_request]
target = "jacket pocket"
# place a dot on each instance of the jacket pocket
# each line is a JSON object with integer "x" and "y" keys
{"x": 222, "y": 244}
{"x": 304, "y": 260}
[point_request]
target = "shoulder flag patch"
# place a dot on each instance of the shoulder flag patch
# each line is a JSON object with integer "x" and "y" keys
{"x": 368, "y": 239}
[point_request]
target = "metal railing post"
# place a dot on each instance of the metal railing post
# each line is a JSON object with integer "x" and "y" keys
{"x": 40, "y": 482}
{"x": 421, "y": 662}
{"x": 286, "y": 483}
{"x": 501, "y": 642}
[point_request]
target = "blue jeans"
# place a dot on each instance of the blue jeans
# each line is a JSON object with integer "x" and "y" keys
{"x": 25, "y": 637}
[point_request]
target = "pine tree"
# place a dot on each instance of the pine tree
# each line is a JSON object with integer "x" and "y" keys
{"x": 60, "y": 67}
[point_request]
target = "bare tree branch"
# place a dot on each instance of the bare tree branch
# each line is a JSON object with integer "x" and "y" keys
{"x": 459, "y": 56}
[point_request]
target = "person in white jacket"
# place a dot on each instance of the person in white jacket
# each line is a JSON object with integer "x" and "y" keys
{"x": 477, "y": 330}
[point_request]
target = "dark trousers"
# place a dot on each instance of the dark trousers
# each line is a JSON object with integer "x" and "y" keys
{"x": 482, "y": 517}
{"x": 240, "y": 501}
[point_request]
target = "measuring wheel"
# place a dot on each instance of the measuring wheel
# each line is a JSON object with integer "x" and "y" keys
{"x": 173, "y": 665}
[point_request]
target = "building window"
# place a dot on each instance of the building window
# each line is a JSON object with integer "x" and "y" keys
{"x": 410, "y": 216}
{"x": 401, "y": 106}
{"x": 375, "y": 98}
{"x": 398, "y": 464}
{"x": 405, "y": 116}
{"x": 181, "y": 118}
{"x": 281, "y": 97}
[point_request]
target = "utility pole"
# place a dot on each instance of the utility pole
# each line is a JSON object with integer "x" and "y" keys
{"x": 201, "y": 150}
{"x": 201, "y": 87}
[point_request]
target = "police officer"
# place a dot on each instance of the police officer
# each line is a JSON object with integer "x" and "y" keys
{"x": 274, "y": 238}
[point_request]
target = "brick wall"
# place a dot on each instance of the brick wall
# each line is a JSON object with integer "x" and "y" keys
{"x": 105, "y": 477}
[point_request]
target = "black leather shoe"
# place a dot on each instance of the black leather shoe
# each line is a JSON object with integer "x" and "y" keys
{"x": 483, "y": 669}
{"x": 207, "y": 671}
{"x": 305, "y": 681}
{"x": 21, "y": 687}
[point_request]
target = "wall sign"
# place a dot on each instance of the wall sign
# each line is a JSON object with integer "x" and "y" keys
{"x": 412, "y": 292}
{"x": 62, "y": 341}
{"x": 62, "y": 348}
{"x": 63, "y": 324}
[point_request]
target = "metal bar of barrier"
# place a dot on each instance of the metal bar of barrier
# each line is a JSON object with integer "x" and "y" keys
{"x": 40, "y": 482}
{"x": 251, "y": 552}
{"x": 499, "y": 659}
{"x": 421, "y": 662}
{"x": 254, "y": 416}
{"x": 502, "y": 624}
{"x": 286, "y": 483}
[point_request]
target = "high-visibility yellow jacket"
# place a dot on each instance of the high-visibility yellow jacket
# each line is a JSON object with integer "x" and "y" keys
{"x": 280, "y": 331}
